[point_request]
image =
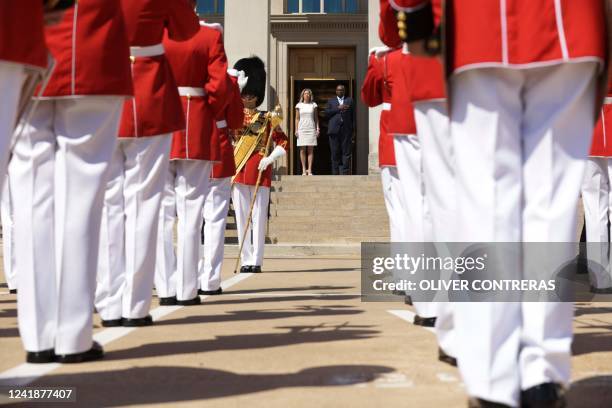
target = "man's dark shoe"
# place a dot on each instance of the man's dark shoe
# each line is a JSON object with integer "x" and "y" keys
{"x": 167, "y": 301}
{"x": 137, "y": 322}
{"x": 245, "y": 269}
{"x": 41, "y": 357}
{"x": 445, "y": 358}
{"x": 13, "y": 291}
{"x": 96, "y": 352}
{"x": 112, "y": 323}
{"x": 547, "y": 395}
{"x": 210, "y": 292}
{"x": 480, "y": 403}
{"x": 424, "y": 321}
{"x": 408, "y": 300}
{"x": 189, "y": 302}
{"x": 603, "y": 291}
{"x": 255, "y": 269}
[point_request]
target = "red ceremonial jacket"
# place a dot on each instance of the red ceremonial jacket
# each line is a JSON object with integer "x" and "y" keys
{"x": 602, "y": 136}
{"x": 376, "y": 91}
{"x": 519, "y": 33}
{"x": 91, "y": 51}
{"x": 398, "y": 73}
{"x": 156, "y": 107}
{"x": 248, "y": 174}
{"x": 234, "y": 118}
{"x": 21, "y": 33}
{"x": 199, "y": 63}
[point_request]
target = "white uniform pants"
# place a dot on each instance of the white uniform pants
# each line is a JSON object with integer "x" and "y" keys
{"x": 6, "y": 219}
{"x": 253, "y": 248}
{"x": 520, "y": 138}
{"x": 11, "y": 79}
{"x": 417, "y": 222}
{"x": 433, "y": 129}
{"x": 394, "y": 201}
{"x": 165, "y": 267}
{"x": 56, "y": 176}
{"x": 215, "y": 218}
{"x": 597, "y": 201}
{"x": 129, "y": 227}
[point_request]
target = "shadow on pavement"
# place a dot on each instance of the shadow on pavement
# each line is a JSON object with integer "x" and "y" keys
{"x": 294, "y": 335}
{"x": 593, "y": 342}
{"x": 272, "y": 298}
{"x": 586, "y": 311}
{"x": 151, "y": 385}
{"x": 314, "y": 270}
{"x": 4, "y": 313}
{"x": 9, "y": 332}
{"x": 233, "y": 316}
{"x": 591, "y": 392}
{"x": 291, "y": 289}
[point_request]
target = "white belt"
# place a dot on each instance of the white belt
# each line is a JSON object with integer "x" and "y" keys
{"x": 386, "y": 106}
{"x": 608, "y": 100}
{"x": 191, "y": 91}
{"x": 221, "y": 124}
{"x": 149, "y": 51}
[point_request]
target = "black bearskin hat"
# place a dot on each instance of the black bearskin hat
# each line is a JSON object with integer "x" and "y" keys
{"x": 255, "y": 70}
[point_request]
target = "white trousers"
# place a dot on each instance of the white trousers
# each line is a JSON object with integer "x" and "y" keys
{"x": 597, "y": 202}
{"x": 253, "y": 248}
{"x": 433, "y": 129}
{"x": 11, "y": 79}
{"x": 215, "y": 218}
{"x": 520, "y": 138}
{"x": 417, "y": 222}
{"x": 56, "y": 176}
{"x": 394, "y": 202}
{"x": 129, "y": 227}
{"x": 6, "y": 219}
{"x": 165, "y": 267}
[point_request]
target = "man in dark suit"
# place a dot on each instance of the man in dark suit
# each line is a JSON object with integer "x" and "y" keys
{"x": 340, "y": 115}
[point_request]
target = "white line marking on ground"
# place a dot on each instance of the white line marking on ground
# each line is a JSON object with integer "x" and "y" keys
{"x": 290, "y": 294}
{"x": 408, "y": 316}
{"x": 445, "y": 377}
{"x": 5, "y": 293}
{"x": 26, "y": 373}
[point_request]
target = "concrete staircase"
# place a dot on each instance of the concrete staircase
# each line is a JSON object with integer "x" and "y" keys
{"x": 333, "y": 210}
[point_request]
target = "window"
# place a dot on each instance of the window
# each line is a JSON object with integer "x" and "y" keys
{"x": 210, "y": 7}
{"x": 316, "y": 6}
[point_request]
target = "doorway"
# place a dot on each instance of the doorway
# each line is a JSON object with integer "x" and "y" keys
{"x": 321, "y": 70}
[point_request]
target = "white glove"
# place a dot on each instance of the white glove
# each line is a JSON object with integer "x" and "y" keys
{"x": 266, "y": 161}
{"x": 240, "y": 76}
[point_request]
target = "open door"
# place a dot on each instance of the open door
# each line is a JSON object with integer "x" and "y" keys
{"x": 323, "y": 90}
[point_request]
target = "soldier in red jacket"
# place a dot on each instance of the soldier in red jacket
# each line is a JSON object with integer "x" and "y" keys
{"x": 200, "y": 68}
{"x": 597, "y": 200}
{"x": 246, "y": 178}
{"x": 523, "y": 78}
{"x": 217, "y": 200}
{"x": 140, "y": 163}
{"x": 57, "y": 176}
{"x": 22, "y": 50}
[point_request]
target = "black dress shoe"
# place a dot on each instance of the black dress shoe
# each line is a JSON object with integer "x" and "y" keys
{"x": 112, "y": 323}
{"x": 41, "y": 357}
{"x": 255, "y": 269}
{"x": 167, "y": 301}
{"x": 138, "y": 322}
{"x": 13, "y": 291}
{"x": 481, "y": 403}
{"x": 445, "y": 358}
{"x": 547, "y": 395}
{"x": 245, "y": 269}
{"x": 190, "y": 302}
{"x": 424, "y": 321}
{"x": 210, "y": 292}
{"x": 96, "y": 352}
{"x": 408, "y": 300}
{"x": 604, "y": 291}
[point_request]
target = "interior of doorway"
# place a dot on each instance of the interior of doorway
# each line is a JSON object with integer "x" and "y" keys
{"x": 323, "y": 90}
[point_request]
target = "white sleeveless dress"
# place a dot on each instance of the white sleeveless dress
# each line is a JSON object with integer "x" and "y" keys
{"x": 307, "y": 128}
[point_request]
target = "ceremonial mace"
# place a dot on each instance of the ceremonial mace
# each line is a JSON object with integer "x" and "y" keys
{"x": 274, "y": 118}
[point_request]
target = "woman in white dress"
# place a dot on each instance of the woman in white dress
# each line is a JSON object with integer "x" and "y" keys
{"x": 307, "y": 125}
